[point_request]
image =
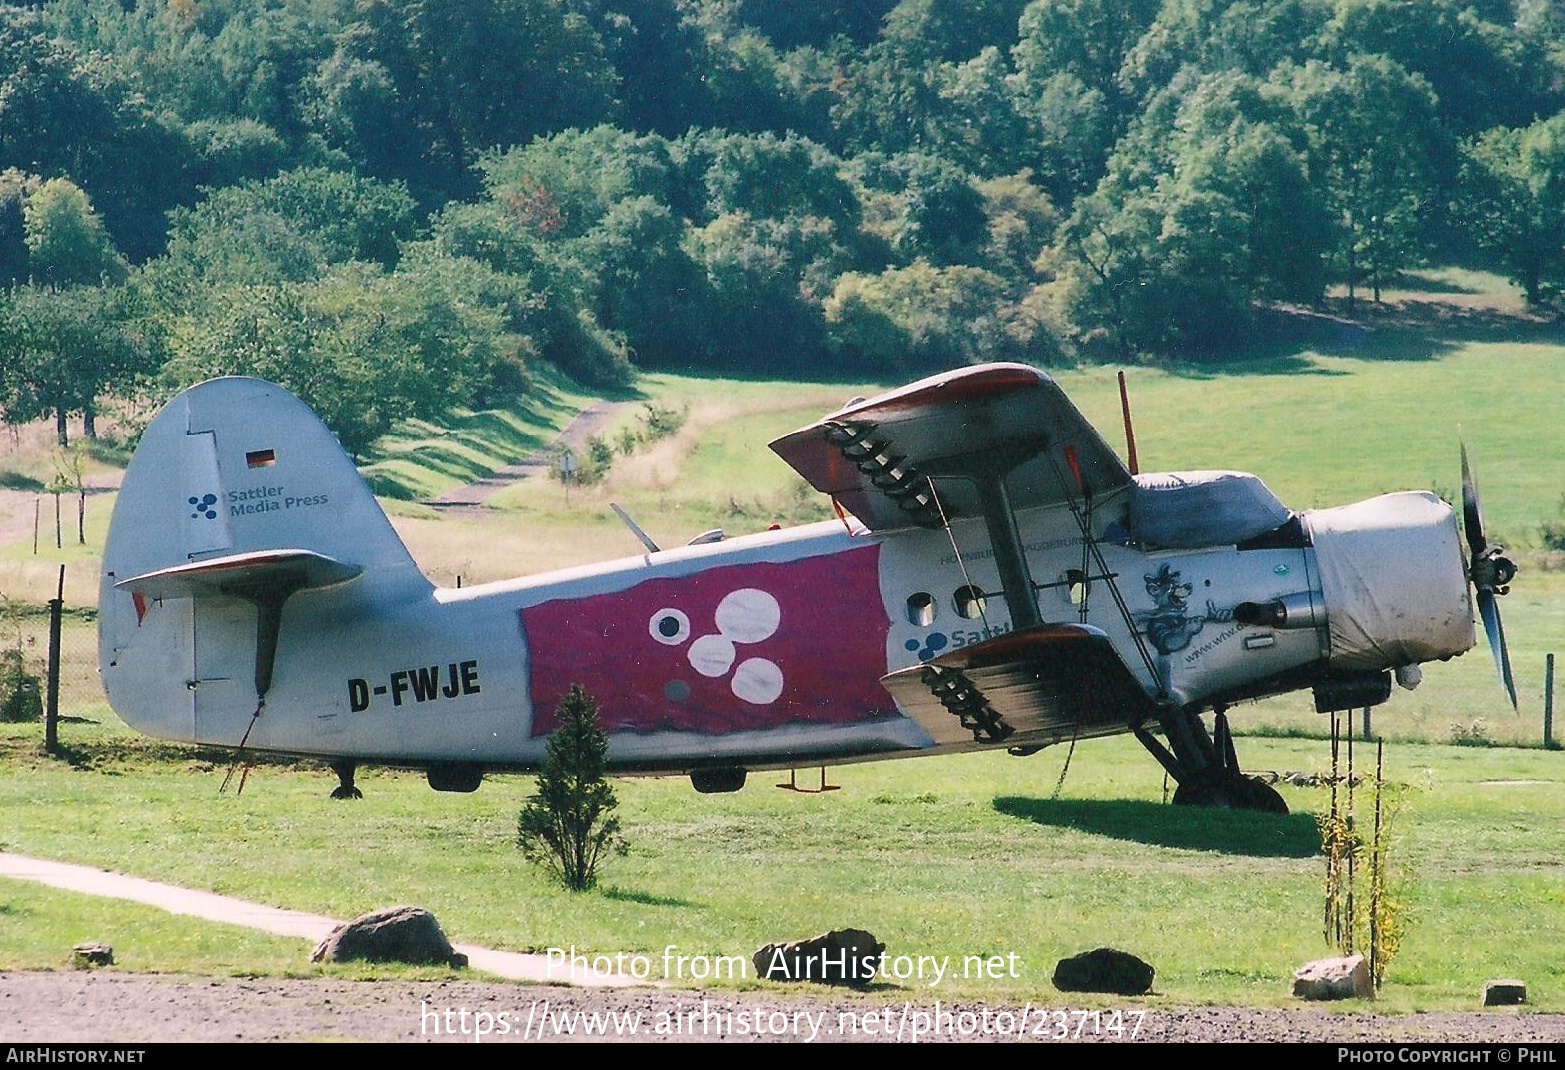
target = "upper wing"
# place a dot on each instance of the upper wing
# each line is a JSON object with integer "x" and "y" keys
{"x": 877, "y": 457}
{"x": 1035, "y": 687}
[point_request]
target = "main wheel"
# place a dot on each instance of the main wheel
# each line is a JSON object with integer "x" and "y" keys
{"x": 1232, "y": 793}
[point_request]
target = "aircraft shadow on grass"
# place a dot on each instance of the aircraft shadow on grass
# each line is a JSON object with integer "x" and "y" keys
{"x": 1232, "y": 832}
{"x": 646, "y": 899}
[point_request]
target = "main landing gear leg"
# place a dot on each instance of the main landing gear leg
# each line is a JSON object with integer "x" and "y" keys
{"x": 345, "y": 770}
{"x": 1205, "y": 765}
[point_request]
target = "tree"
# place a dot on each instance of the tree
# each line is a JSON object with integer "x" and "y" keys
{"x": 1208, "y": 205}
{"x": 1021, "y": 221}
{"x": 568, "y": 825}
{"x": 1377, "y": 148}
{"x": 236, "y": 150}
{"x": 765, "y": 280}
{"x": 68, "y": 112}
{"x": 1482, "y": 70}
{"x": 660, "y": 55}
{"x": 68, "y": 348}
{"x": 418, "y": 89}
{"x": 1512, "y": 201}
{"x": 916, "y": 318}
{"x": 289, "y": 228}
{"x": 889, "y": 96}
{"x": 563, "y": 184}
{"x": 15, "y": 187}
{"x": 365, "y": 347}
{"x": 764, "y": 175}
{"x": 643, "y": 283}
{"x": 66, "y": 242}
{"x": 788, "y": 24}
{"x": 1250, "y": 36}
{"x": 928, "y": 207}
{"x": 1141, "y": 271}
{"x": 1085, "y": 38}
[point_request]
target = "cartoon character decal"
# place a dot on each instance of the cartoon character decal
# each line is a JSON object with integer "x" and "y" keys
{"x": 729, "y": 649}
{"x": 1169, "y": 625}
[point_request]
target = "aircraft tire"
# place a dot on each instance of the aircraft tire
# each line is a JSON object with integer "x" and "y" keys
{"x": 1236, "y": 793}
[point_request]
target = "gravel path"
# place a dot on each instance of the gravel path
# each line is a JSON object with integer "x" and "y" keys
{"x": 123, "y": 1007}
{"x": 590, "y": 421}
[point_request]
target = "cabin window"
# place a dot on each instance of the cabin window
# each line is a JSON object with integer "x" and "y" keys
{"x": 921, "y": 609}
{"x": 1077, "y": 586}
{"x": 969, "y": 602}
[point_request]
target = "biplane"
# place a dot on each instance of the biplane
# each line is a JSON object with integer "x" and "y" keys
{"x": 997, "y": 579}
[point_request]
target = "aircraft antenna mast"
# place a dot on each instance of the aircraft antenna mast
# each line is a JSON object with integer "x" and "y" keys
{"x": 1130, "y": 427}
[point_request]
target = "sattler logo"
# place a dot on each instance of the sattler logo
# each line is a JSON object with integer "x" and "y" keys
{"x": 204, "y": 506}
{"x": 929, "y": 647}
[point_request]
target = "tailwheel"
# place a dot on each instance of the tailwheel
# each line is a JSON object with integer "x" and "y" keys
{"x": 345, "y": 788}
{"x": 1206, "y": 766}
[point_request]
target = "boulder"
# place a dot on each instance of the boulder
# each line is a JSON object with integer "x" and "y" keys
{"x": 399, "y": 934}
{"x": 1104, "y": 970}
{"x": 92, "y": 955}
{"x": 840, "y": 957}
{"x": 1340, "y": 978}
{"x": 1508, "y": 992}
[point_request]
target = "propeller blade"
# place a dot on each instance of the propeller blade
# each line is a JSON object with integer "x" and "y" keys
{"x": 1472, "y": 508}
{"x": 1490, "y": 611}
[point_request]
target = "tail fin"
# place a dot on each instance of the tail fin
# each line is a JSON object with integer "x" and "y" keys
{"x": 235, "y": 480}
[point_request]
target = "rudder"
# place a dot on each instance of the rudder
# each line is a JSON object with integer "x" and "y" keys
{"x": 234, "y": 469}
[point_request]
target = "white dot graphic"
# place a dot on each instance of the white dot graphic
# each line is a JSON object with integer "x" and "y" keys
{"x": 669, "y": 627}
{"x": 758, "y": 681}
{"x": 711, "y": 655}
{"x": 748, "y": 615}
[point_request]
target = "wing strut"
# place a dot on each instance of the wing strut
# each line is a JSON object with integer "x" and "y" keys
{"x": 986, "y": 472}
{"x": 1015, "y": 576}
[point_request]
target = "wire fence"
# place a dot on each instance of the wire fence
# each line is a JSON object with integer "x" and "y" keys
{"x": 49, "y": 664}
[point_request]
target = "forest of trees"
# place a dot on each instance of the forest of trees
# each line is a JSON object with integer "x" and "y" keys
{"x": 394, "y": 206}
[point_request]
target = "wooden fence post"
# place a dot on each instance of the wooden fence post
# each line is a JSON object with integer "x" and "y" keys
{"x": 1548, "y": 701}
{"x": 51, "y": 725}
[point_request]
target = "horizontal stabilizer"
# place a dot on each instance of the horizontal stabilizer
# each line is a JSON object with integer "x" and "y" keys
{"x": 1033, "y": 688}
{"x": 295, "y": 570}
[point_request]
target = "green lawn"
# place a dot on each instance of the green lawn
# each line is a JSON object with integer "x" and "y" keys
{"x": 1320, "y": 428}
{"x": 42, "y": 924}
{"x": 949, "y": 856}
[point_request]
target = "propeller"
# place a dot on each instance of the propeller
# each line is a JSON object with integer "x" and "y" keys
{"x": 1491, "y": 573}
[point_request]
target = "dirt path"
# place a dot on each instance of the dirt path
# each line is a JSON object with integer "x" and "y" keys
{"x": 228, "y": 910}
{"x": 110, "y": 1006}
{"x": 587, "y": 423}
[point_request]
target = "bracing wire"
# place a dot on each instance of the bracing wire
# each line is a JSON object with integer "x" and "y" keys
{"x": 1119, "y": 598}
{"x": 239, "y": 753}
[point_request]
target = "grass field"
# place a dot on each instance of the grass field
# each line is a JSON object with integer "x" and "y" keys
{"x": 1320, "y": 426}
{"x": 953, "y": 856}
{"x": 41, "y": 925}
{"x": 939, "y": 856}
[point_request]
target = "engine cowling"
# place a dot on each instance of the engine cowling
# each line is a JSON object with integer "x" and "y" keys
{"x": 1394, "y": 581}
